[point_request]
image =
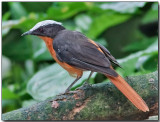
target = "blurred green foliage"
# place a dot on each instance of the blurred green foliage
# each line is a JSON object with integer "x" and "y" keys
{"x": 29, "y": 74}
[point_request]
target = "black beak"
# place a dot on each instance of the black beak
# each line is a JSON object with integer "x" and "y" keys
{"x": 27, "y": 33}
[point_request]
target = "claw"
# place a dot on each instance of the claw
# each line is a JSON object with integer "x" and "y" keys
{"x": 87, "y": 84}
{"x": 64, "y": 93}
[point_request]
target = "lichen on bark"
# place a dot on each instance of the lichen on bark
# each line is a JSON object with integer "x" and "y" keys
{"x": 102, "y": 101}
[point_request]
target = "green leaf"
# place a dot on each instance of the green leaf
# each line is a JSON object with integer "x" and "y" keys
{"x": 6, "y": 66}
{"x": 129, "y": 66}
{"x": 105, "y": 21}
{"x": 20, "y": 49}
{"x": 6, "y": 16}
{"x": 140, "y": 44}
{"x": 149, "y": 50}
{"x": 7, "y": 25}
{"x": 24, "y": 23}
{"x": 9, "y": 105}
{"x": 151, "y": 15}
{"x": 83, "y": 21}
{"x": 42, "y": 53}
{"x": 152, "y": 63}
{"x": 7, "y": 94}
{"x": 123, "y": 7}
{"x": 136, "y": 60}
{"x": 51, "y": 81}
{"x": 17, "y": 10}
{"x": 66, "y": 10}
{"x": 36, "y": 6}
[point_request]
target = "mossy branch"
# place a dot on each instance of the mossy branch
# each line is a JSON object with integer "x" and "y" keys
{"x": 100, "y": 102}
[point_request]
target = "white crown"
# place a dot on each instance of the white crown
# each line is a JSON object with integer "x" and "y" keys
{"x": 43, "y": 23}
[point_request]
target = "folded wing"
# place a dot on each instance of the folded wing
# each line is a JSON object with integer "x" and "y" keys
{"x": 75, "y": 49}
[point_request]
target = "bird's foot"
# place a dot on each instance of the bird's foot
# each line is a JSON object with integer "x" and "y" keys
{"x": 87, "y": 84}
{"x": 63, "y": 93}
{"x": 67, "y": 92}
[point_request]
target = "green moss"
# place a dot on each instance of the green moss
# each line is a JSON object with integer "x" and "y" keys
{"x": 101, "y": 102}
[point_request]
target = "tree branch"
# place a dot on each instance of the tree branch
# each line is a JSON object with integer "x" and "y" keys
{"x": 100, "y": 102}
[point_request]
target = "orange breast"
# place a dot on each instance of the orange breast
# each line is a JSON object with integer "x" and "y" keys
{"x": 72, "y": 70}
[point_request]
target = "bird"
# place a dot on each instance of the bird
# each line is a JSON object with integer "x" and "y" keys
{"x": 77, "y": 53}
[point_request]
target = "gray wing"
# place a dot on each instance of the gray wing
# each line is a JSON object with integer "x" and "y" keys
{"x": 108, "y": 54}
{"x": 74, "y": 49}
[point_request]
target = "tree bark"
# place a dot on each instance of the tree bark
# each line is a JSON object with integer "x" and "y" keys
{"x": 101, "y": 101}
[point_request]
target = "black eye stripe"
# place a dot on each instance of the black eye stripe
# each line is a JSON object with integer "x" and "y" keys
{"x": 40, "y": 29}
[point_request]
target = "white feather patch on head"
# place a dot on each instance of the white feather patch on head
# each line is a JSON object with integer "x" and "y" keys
{"x": 43, "y": 23}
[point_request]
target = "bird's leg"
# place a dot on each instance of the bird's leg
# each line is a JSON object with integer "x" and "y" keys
{"x": 68, "y": 89}
{"x": 86, "y": 82}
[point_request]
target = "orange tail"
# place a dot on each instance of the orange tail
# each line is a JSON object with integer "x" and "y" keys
{"x": 129, "y": 92}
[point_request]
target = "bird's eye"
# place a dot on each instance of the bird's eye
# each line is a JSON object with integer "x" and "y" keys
{"x": 40, "y": 30}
